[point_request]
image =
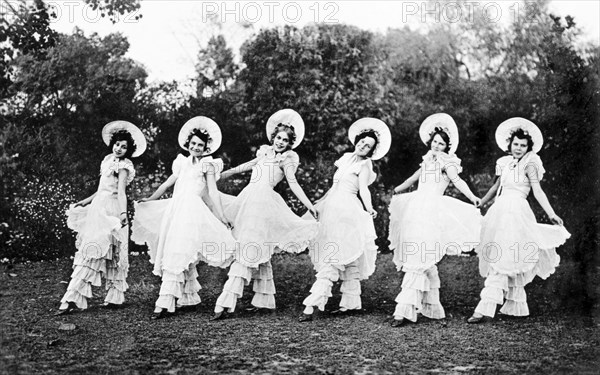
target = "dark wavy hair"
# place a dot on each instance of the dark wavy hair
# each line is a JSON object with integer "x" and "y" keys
{"x": 123, "y": 135}
{"x": 520, "y": 133}
{"x": 289, "y": 129}
{"x": 442, "y": 134}
{"x": 200, "y": 134}
{"x": 366, "y": 134}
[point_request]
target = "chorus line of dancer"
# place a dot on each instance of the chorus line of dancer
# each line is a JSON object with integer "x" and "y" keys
{"x": 243, "y": 232}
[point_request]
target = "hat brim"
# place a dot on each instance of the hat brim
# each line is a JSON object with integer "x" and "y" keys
{"x": 289, "y": 117}
{"x": 138, "y": 137}
{"x": 384, "y": 136}
{"x": 443, "y": 121}
{"x": 508, "y": 127}
{"x": 205, "y": 124}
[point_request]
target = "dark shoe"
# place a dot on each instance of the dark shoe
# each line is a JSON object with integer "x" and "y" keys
{"x": 111, "y": 306}
{"x": 475, "y": 319}
{"x": 340, "y": 312}
{"x": 259, "y": 310}
{"x": 71, "y": 308}
{"x": 161, "y": 315}
{"x": 218, "y": 316}
{"x": 305, "y": 318}
{"x": 397, "y": 322}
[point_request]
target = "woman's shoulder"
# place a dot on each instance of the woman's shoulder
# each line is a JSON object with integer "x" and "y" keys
{"x": 290, "y": 156}
{"x": 262, "y": 150}
{"x": 504, "y": 160}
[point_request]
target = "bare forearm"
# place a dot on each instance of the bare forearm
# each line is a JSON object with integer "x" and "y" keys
{"x": 462, "y": 186}
{"x": 543, "y": 201}
{"x": 299, "y": 193}
{"x": 218, "y": 206}
{"x": 491, "y": 193}
{"x": 365, "y": 195}
{"x": 239, "y": 169}
{"x": 122, "y": 198}
{"x": 88, "y": 199}
{"x": 403, "y": 186}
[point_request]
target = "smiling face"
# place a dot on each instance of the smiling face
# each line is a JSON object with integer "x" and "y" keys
{"x": 438, "y": 144}
{"x": 281, "y": 141}
{"x": 196, "y": 146}
{"x": 364, "y": 146}
{"x": 120, "y": 149}
{"x": 519, "y": 147}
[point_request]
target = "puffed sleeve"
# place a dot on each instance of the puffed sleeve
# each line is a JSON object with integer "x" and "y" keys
{"x": 105, "y": 164}
{"x": 502, "y": 163}
{"x": 210, "y": 165}
{"x": 451, "y": 161}
{"x": 127, "y": 165}
{"x": 178, "y": 164}
{"x": 262, "y": 151}
{"x": 343, "y": 159}
{"x": 358, "y": 168}
{"x": 291, "y": 162}
{"x": 533, "y": 166}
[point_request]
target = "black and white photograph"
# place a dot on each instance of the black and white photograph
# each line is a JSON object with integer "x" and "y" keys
{"x": 299, "y": 187}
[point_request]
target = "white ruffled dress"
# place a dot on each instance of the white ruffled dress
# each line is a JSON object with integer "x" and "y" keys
{"x": 263, "y": 225}
{"x": 181, "y": 231}
{"x": 102, "y": 244}
{"x": 514, "y": 248}
{"x": 424, "y": 226}
{"x": 344, "y": 247}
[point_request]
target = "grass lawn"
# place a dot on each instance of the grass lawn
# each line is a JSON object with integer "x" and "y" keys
{"x": 554, "y": 339}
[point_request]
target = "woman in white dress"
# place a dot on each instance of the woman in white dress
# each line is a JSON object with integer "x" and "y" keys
{"x": 182, "y": 230}
{"x": 514, "y": 248}
{"x": 344, "y": 249}
{"x": 101, "y": 223}
{"x": 425, "y": 224}
{"x": 262, "y": 222}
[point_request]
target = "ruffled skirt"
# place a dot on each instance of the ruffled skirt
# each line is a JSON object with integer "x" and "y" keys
{"x": 346, "y": 234}
{"x": 98, "y": 227}
{"x": 514, "y": 249}
{"x": 513, "y": 243}
{"x": 102, "y": 250}
{"x": 425, "y": 227}
{"x": 180, "y": 232}
{"x": 263, "y": 225}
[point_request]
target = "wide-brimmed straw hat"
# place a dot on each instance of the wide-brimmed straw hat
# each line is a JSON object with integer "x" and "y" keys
{"x": 138, "y": 137}
{"x": 206, "y": 126}
{"x": 287, "y": 117}
{"x": 440, "y": 121}
{"x": 508, "y": 127}
{"x": 381, "y": 130}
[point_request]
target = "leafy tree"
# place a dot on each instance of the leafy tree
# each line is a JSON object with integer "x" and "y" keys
{"x": 25, "y": 29}
{"x": 215, "y": 67}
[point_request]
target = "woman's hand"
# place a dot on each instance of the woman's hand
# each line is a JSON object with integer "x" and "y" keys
{"x": 123, "y": 218}
{"x": 227, "y": 223}
{"x": 395, "y": 192}
{"x": 556, "y": 220}
{"x": 476, "y": 202}
{"x": 145, "y": 200}
{"x": 372, "y": 212}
